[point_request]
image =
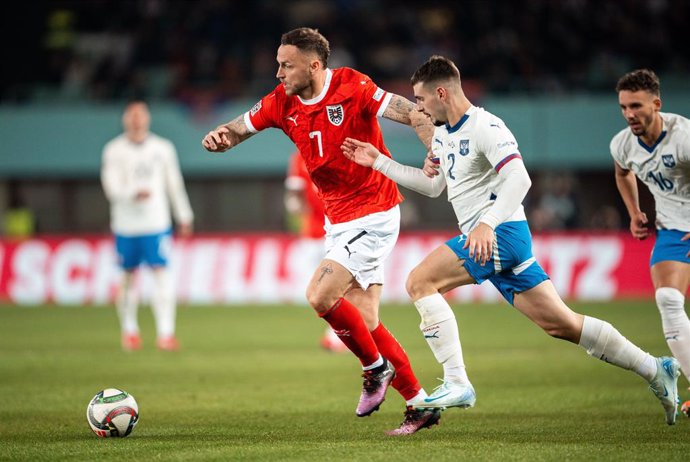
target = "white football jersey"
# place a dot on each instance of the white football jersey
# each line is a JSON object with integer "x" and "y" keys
{"x": 472, "y": 153}
{"x": 152, "y": 166}
{"x": 664, "y": 168}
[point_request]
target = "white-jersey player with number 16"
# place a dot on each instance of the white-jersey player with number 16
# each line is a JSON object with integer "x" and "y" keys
{"x": 486, "y": 180}
{"x": 656, "y": 149}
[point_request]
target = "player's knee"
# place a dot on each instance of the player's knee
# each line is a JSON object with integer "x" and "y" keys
{"x": 669, "y": 300}
{"x": 416, "y": 285}
{"x": 320, "y": 300}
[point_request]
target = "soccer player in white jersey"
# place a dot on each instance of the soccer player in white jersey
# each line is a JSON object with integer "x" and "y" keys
{"x": 141, "y": 179}
{"x": 486, "y": 180}
{"x": 656, "y": 149}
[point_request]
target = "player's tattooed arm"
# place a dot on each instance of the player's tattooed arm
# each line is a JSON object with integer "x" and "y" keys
{"x": 404, "y": 111}
{"x": 227, "y": 136}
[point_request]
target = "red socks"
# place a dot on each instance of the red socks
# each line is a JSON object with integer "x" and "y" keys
{"x": 405, "y": 381}
{"x": 349, "y": 326}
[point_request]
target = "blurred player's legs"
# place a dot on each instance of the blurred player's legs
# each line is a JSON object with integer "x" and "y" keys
{"x": 331, "y": 342}
{"x": 164, "y": 309}
{"x": 127, "y": 307}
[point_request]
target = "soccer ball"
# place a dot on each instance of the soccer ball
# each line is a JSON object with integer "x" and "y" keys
{"x": 112, "y": 412}
{"x": 685, "y": 408}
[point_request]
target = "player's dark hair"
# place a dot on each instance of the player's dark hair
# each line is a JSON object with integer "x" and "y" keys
{"x": 308, "y": 39}
{"x": 640, "y": 79}
{"x": 135, "y": 100}
{"x": 437, "y": 68}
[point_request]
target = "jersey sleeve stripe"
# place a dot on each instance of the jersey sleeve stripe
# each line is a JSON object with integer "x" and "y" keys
{"x": 384, "y": 104}
{"x": 248, "y": 123}
{"x": 507, "y": 159}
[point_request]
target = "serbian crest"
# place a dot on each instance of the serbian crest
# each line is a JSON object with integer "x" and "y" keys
{"x": 464, "y": 147}
{"x": 335, "y": 114}
{"x": 668, "y": 160}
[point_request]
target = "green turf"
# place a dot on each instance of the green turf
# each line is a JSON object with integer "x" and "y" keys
{"x": 250, "y": 383}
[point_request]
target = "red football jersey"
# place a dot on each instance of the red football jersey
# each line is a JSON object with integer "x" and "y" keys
{"x": 298, "y": 178}
{"x": 347, "y": 106}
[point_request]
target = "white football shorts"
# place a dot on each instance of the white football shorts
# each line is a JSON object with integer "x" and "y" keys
{"x": 362, "y": 245}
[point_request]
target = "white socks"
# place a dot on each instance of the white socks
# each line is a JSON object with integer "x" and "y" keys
{"x": 441, "y": 333}
{"x": 419, "y": 397}
{"x": 163, "y": 303}
{"x": 127, "y": 304}
{"x": 604, "y": 342}
{"x": 676, "y": 325}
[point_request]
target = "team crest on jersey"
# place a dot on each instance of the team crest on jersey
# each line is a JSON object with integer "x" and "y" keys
{"x": 464, "y": 147}
{"x": 335, "y": 114}
{"x": 255, "y": 109}
{"x": 668, "y": 160}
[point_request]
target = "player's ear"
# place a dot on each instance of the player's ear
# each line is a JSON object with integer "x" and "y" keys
{"x": 657, "y": 103}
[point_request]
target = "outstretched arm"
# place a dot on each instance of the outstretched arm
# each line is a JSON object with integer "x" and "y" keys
{"x": 403, "y": 111}
{"x": 226, "y": 136}
{"x": 366, "y": 155}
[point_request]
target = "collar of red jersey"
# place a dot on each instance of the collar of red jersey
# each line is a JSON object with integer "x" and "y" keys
{"x": 322, "y": 95}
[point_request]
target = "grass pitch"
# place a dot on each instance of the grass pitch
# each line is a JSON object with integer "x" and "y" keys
{"x": 251, "y": 383}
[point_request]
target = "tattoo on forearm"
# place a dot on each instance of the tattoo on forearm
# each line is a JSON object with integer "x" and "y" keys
{"x": 238, "y": 130}
{"x": 399, "y": 109}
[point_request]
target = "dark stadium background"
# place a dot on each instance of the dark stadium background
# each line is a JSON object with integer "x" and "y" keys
{"x": 547, "y": 67}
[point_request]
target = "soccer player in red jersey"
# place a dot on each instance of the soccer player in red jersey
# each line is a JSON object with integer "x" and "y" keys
{"x": 318, "y": 108}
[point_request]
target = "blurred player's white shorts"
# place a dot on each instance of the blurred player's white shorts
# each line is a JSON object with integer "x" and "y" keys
{"x": 362, "y": 245}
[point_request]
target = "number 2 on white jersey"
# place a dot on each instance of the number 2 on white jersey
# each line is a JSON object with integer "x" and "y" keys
{"x": 317, "y": 134}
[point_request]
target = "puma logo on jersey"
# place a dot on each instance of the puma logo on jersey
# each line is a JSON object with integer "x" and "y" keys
{"x": 293, "y": 119}
{"x": 349, "y": 254}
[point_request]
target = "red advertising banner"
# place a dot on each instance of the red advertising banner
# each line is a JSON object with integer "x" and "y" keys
{"x": 275, "y": 268}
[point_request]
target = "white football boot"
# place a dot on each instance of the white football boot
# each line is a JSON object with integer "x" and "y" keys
{"x": 664, "y": 385}
{"x": 449, "y": 394}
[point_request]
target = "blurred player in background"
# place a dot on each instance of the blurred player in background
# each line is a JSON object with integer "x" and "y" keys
{"x": 656, "y": 149}
{"x": 141, "y": 179}
{"x": 303, "y": 203}
{"x": 317, "y": 108}
{"x": 487, "y": 181}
